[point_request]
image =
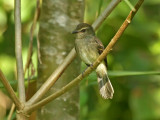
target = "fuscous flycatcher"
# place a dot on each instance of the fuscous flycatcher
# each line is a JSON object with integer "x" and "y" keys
{"x": 89, "y": 47}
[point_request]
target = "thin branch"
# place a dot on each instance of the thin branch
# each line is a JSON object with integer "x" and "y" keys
{"x": 130, "y": 5}
{"x": 30, "y": 49}
{"x": 10, "y": 90}
{"x": 106, "y": 13}
{"x": 18, "y": 50}
{"x": 90, "y": 69}
{"x": 11, "y": 112}
{"x": 58, "y": 72}
{"x": 53, "y": 78}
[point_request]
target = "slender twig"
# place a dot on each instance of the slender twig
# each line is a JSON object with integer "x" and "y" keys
{"x": 90, "y": 69}
{"x": 58, "y": 72}
{"x": 105, "y": 14}
{"x": 10, "y": 90}
{"x": 18, "y": 50}
{"x": 53, "y": 78}
{"x": 11, "y": 112}
{"x": 130, "y": 5}
{"x": 30, "y": 49}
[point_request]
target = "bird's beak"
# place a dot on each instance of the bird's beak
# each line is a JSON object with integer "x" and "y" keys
{"x": 74, "y": 32}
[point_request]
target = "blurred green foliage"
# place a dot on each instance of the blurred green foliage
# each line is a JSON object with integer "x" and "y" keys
{"x": 136, "y": 97}
{"x": 7, "y": 54}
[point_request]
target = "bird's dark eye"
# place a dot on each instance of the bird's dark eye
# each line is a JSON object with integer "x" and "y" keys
{"x": 83, "y": 30}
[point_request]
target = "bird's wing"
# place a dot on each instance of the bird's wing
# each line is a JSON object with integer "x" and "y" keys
{"x": 100, "y": 48}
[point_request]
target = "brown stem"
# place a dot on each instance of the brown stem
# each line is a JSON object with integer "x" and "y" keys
{"x": 18, "y": 50}
{"x": 90, "y": 69}
{"x": 105, "y": 14}
{"x": 10, "y": 90}
{"x": 58, "y": 72}
{"x": 11, "y": 112}
{"x": 30, "y": 49}
{"x": 53, "y": 78}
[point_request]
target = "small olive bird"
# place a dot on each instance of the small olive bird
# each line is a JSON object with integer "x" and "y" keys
{"x": 89, "y": 47}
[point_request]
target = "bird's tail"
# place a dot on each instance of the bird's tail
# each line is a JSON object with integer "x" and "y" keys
{"x": 105, "y": 86}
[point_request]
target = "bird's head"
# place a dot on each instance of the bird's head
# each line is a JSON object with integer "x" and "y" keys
{"x": 83, "y": 30}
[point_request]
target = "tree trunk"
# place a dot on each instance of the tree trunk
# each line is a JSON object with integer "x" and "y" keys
{"x": 58, "y": 19}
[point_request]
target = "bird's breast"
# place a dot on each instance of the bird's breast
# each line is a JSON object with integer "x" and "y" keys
{"x": 87, "y": 50}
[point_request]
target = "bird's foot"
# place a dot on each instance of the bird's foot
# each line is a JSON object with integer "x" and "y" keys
{"x": 83, "y": 73}
{"x": 91, "y": 65}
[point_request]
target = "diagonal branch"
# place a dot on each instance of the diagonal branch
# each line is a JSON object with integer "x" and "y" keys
{"x": 58, "y": 72}
{"x": 90, "y": 69}
{"x": 18, "y": 50}
{"x": 11, "y": 112}
{"x": 53, "y": 78}
{"x": 129, "y": 4}
{"x": 106, "y": 13}
{"x": 10, "y": 90}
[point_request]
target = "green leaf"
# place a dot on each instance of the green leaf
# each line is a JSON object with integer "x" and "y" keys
{"x": 132, "y": 73}
{"x": 14, "y": 82}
